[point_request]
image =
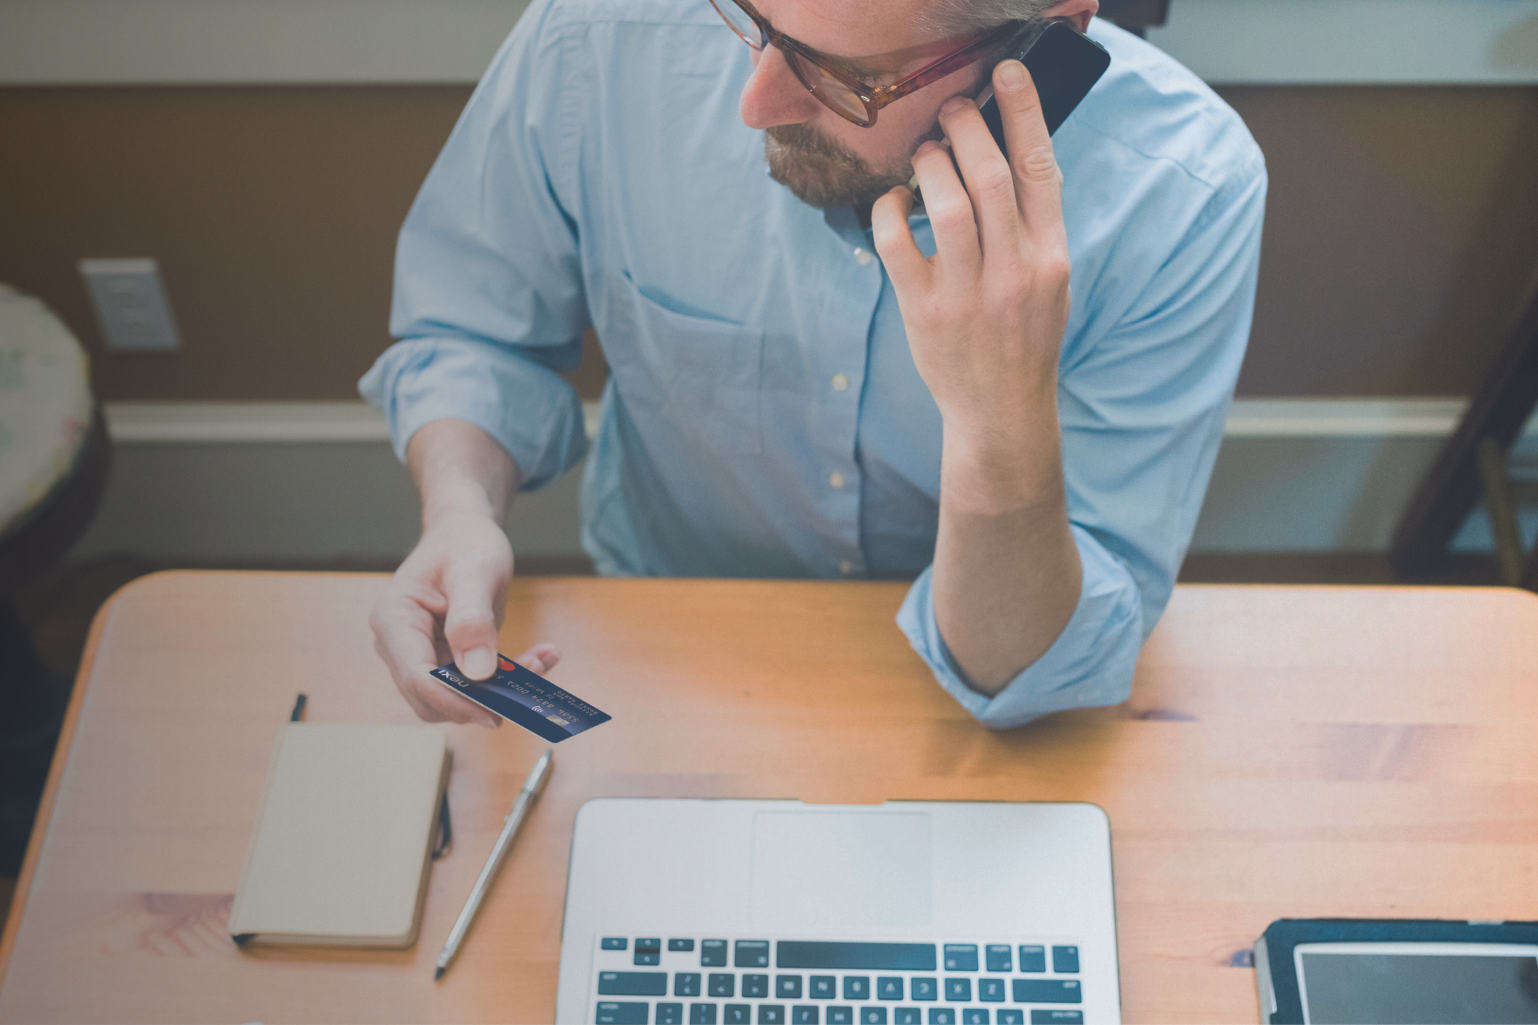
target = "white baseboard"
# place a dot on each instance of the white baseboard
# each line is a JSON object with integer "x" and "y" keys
{"x": 202, "y": 423}
{"x": 195, "y": 423}
{"x": 284, "y": 482}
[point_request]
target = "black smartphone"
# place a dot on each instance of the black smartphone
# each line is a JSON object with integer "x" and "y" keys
{"x": 1064, "y": 63}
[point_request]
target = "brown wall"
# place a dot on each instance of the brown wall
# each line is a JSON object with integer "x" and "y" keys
{"x": 1402, "y": 226}
{"x": 1401, "y": 231}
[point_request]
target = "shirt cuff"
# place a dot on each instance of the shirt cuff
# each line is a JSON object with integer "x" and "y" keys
{"x": 1089, "y": 664}
{"x": 529, "y": 408}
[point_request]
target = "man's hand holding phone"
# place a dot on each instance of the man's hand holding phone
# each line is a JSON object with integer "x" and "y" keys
{"x": 985, "y": 315}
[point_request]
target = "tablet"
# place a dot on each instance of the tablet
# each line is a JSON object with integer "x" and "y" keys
{"x": 1366, "y": 971}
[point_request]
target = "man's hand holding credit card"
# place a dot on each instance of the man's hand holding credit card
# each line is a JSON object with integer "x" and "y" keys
{"x": 525, "y": 698}
{"x": 446, "y": 601}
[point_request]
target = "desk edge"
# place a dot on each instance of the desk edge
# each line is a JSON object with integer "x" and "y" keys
{"x": 55, "y": 773}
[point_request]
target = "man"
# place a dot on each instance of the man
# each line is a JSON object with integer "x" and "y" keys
{"x": 781, "y": 402}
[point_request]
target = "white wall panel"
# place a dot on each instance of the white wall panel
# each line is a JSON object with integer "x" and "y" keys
{"x": 121, "y": 42}
{"x": 1355, "y": 42}
{"x": 250, "y": 42}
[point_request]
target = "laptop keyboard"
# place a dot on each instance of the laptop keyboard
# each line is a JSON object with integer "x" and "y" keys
{"x": 654, "y": 980}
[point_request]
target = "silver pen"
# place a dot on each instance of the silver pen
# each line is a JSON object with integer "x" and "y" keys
{"x": 531, "y": 788}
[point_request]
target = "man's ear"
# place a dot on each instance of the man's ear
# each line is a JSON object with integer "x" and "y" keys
{"x": 1076, "y": 12}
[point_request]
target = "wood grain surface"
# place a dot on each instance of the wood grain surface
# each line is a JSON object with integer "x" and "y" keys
{"x": 1288, "y": 751}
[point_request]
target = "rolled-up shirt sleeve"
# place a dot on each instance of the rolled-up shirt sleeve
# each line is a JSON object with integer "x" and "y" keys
{"x": 488, "y": 304}
{"x": 1142, "y": 412}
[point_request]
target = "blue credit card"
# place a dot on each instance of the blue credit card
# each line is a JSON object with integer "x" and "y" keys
{"x": 526, "y": 698}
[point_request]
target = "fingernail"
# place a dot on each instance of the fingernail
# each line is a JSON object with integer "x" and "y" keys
{"x": 491, "y": 722}
{"x": 1011, "y": 74}
{"x": 478, "y": 664}
{"x": 952, "y": 105}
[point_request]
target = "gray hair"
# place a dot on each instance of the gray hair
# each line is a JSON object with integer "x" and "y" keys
{"x": 954, "y": 17}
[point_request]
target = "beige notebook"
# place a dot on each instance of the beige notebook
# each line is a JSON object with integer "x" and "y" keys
{"x": 343, "y": 839}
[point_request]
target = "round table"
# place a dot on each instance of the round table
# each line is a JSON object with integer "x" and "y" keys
{"x": 54, "y": 457}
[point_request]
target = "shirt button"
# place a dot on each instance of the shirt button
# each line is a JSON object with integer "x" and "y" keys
{"x": 836, "y": 479}
{"x": 846, "y": 567}
{"x": 840, "y": 382}
{"x": 861, "y": 257}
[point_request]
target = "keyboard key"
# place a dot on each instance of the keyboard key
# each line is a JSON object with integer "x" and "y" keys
{"x": 702, "y": 1014}
{"x": 942, "y": 1016}
{"x": 873, "y": 1016}
{"x": 755, "y": 954}
{"x": 686, "y": 984}
{"x": 1010, "y": 1016}
{"x": 1065, "y": 960}
{"x": 670, "y": 1014}
{"x": 1047, "y": 1016}
{"x": 648, "y": 943}
{"x": 712, "y": 953}
{"x": 722, "y": 984}
{"x": 961, "y": 957}
{"x": 755, "y": 986}
{"x": 889, "y": 987}
{"x": 907, "y": 1016}
{"x": 840, "y": 1015}
{"x": 787, "y": 987}
{"x": 1033, "y": 959}
{"x": 610, "y": 1013}
{"x": 974, "y": 1016}
{"x": 648, "y": 950}
{"x": 804, "y": 1014}
{"x": 990, "y": 991}
{"x": 633, "y": 984}
{"x": 1047, "y": 991}
{"x": 958, "y": 991}
{"x": 892, "y": 957}
{"x": 771, "y": 1014}
{"x": 857, "y": 987}
{"x": 924, "y": 989}
{"x": 613, "y": 943}
{"x": 737, "y": 1014}
{"x": 1000, "y": 957}
{"x": 823, "y": 987}
{"x": 684, "y": 945}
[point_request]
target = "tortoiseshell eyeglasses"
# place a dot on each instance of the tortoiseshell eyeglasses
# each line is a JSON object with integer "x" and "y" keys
{"x": 836, "y": 83}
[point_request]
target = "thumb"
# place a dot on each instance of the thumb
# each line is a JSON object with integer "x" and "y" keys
{"x": 470, "y": 627}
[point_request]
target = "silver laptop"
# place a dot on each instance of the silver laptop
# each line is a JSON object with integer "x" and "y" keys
{"x": 725, "y": 912}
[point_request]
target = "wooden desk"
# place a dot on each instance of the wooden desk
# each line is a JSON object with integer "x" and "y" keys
{"x": 1288, "y": 751}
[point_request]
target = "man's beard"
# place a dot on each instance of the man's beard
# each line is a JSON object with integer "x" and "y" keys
{"x": 823, "y": 172}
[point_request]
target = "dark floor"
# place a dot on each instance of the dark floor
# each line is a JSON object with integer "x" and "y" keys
{"x": 59, "y": 606}
{"x": 1329, "y": 568}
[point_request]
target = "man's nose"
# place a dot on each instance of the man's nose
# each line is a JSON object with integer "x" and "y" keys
{"x": 774, "y": 95}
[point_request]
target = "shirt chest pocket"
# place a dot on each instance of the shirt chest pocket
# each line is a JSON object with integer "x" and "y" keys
{"x": 698, "y": 376}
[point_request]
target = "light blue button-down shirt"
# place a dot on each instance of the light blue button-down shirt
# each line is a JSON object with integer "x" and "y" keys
{"x": 763, "y": 417}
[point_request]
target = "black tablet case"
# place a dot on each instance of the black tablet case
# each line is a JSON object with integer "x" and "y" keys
{"x": 1281, "y": 936}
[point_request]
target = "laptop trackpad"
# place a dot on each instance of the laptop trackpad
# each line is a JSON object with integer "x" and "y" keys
{"x": 842, "y": 870}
